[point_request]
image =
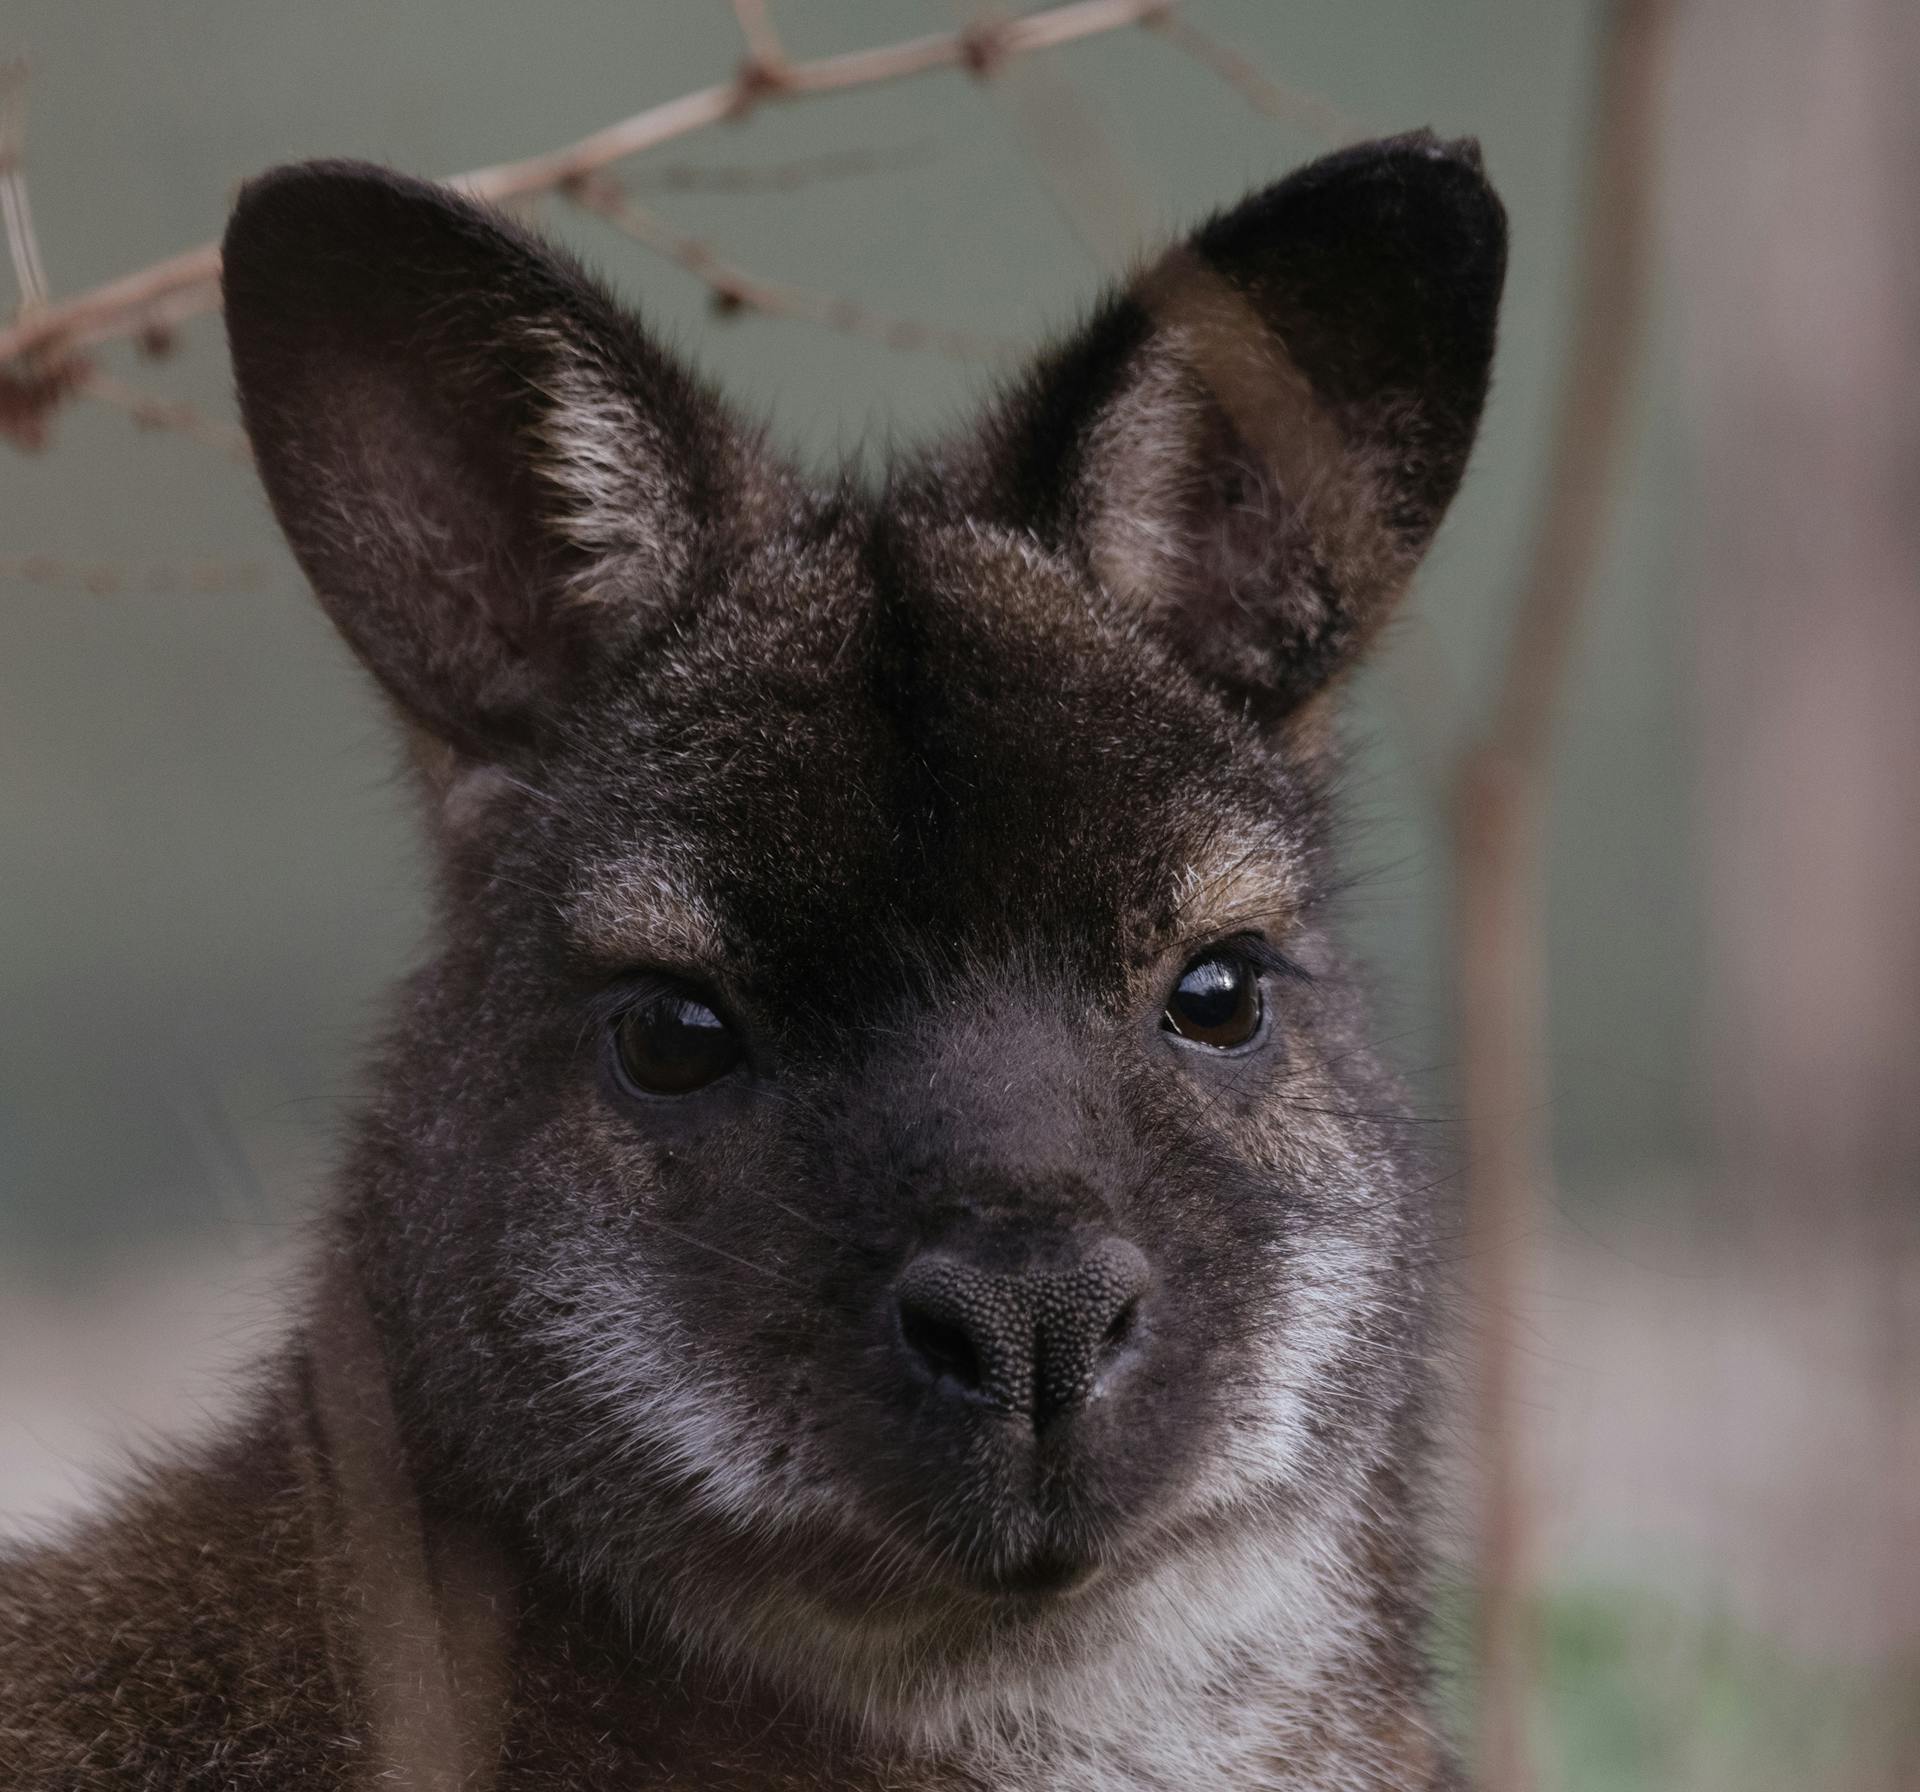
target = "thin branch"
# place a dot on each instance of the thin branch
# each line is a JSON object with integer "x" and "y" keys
{"x": 1080, "y": 165}
{"x": 29, "y": 398}
{"x": 152, "y": 412}
{"x": 1424, "y": 700}
{"x": 735, "y": 290}
{"x": 1502, "y": 799}
{"x": 972, "y": 48}
{"x": 104, "y": 578}
{"x": 1290, "y": 105}
{"x": 764, "y": 50}
{"x": 428, "y": 1607}
{"x": 188, "y": 283}
{"x": 23, "y": 247}
{"x": 1593, "y": 404}
{"x": 166, "y": 292}
{"x": 779, "y": 177}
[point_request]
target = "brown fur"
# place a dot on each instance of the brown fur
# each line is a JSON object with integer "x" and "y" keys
{"x": 982, "y": 1382}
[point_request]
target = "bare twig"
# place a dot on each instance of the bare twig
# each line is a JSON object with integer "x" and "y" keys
{"x": 29, "y": 397}
{"x": 177, "y": 415}
{"x": 427, "y": 1609}
{"x": 1425, "y": 703}
{"x": 167, "y": 292}
{"x": 1042, "y": 30}
{"x": 1290, "y": 105}
{"x": 188, "y": 283}
{"x": 1501, "y": 803}
{"x": 778, "y": 177}
{"x": 23, "y": 247}
{"x": 735, "y": 290}
{"x": 1081, "y": 166}
{"x": 765, "y": 54}
{"x": 105, "y": 578}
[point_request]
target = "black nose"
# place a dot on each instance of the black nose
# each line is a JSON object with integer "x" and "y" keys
{"x": 1032, "y": 1343}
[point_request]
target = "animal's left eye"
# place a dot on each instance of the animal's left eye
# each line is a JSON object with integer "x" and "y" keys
{"x": 1217, "y": 1002}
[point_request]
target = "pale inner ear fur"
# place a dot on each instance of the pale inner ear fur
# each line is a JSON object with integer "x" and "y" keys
{"x": 607, "y": 464}
{"x": 1163, "y": 501}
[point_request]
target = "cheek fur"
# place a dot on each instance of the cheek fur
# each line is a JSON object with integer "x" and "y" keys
{"x": 681, "y": 1325}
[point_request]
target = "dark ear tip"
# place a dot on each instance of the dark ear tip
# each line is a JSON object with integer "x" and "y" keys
{"x": 1411, "y": 149}
{"x": 1451, "y": 168}
{"x": 303, "y": 211}
{"x": 1446, "y": 172}
{"x": 1417, "y": 203}
{"x": 295, "y": 189}
{"x": 1426, "y": 146}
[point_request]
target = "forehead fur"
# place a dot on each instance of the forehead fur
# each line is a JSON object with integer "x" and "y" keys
{"x": 936, "y": 740}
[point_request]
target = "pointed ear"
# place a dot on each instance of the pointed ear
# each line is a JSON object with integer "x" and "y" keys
{"x": 483, "y": 465}
{"x": 1254, "y": 444}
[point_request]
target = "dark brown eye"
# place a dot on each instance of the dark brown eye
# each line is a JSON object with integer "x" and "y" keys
{"x": 674, "y": 1044}
{"x": 1216, "y": 1002}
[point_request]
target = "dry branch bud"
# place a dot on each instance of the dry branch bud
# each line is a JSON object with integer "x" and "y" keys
{"x": 29, "y": 398}
{"x": 984, "y": 47}
{"x": 755, "y": 80}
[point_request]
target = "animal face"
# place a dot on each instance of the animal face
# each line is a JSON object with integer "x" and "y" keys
{"x": 884, "y": 1171}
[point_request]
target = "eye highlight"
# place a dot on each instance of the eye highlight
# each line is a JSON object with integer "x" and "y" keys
{"x": 674, "y": 1043}
{"x": 1217, "y": 1002}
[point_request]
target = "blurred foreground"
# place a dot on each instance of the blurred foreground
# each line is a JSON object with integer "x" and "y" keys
{"x": 1726, "y": 1442}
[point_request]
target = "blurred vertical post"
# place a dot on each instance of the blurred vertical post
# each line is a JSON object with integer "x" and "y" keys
{"x": 1498, "y": 829}
{"x": 1796, "y": 235}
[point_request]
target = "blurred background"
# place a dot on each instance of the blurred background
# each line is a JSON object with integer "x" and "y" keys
{"x": 1711, "y": 1304}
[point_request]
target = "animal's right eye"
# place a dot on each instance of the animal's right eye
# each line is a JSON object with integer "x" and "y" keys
{"x": 1217, "y": 1002}
{"x": 674, "y": 1043}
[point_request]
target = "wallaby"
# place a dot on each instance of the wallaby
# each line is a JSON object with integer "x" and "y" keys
{"x": 877, "y": 1253}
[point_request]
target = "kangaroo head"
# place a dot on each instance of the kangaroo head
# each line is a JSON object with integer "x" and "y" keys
{"x": 883, "y": 1174}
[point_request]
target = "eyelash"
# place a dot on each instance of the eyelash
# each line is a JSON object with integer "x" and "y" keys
{"x": 1258, "y": 951}
{"x": 606, "y": 1007}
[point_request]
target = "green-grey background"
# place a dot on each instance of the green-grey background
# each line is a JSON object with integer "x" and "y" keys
{"x": 206, "y": 875}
